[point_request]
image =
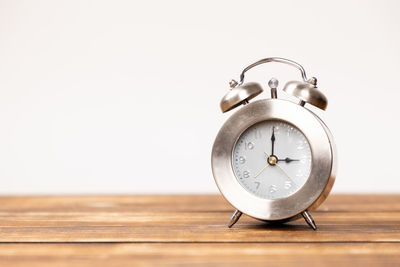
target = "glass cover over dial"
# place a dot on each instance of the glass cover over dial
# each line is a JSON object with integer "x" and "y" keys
{"x": 272, "y": 159}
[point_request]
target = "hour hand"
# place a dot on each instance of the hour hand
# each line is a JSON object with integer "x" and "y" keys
{"x": 288, "y": 160}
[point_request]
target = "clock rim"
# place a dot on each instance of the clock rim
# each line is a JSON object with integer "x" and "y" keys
{"x": 322, "y": 174}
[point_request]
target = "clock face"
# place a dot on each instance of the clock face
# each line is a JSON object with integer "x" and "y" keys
{"x": 272, "y": 159}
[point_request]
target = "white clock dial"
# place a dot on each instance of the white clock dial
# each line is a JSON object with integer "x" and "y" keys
{"x": 272, "y": 159}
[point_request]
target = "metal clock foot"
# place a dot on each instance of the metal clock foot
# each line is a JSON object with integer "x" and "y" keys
{"x": 235, "y": 217}
{"x": 310, "y": 221}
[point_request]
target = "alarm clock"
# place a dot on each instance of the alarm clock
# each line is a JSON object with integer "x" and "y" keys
{"x": 274, "y": 159}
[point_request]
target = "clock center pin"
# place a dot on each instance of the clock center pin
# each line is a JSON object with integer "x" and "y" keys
{"x": 272, "y": 160}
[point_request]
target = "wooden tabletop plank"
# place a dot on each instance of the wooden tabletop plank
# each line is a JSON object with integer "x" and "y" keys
{"x": 276, "y": 254}
{"x": 198, "y": 218}
{"x": 206, "y": 203}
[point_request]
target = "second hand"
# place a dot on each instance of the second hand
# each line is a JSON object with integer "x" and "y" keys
{"x": 276, "y": 164}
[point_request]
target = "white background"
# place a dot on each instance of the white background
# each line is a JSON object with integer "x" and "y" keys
{"x": 123, "y": 96}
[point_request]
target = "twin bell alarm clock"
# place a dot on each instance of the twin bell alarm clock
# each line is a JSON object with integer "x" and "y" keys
{"x": 274, "y": 159}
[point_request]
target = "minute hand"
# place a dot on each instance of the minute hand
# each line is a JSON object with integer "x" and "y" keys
{"x": 273, "y": 139}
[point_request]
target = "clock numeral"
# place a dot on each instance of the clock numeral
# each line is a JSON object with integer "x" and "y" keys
{"x": 289, "y": 131}
{"x": 242, "y": 160}
{"x": 248, "y": 146}
{"x": 258, "y": 184}
{"x": 257, "y": 134}
{"x": 288, "y": 184}
{"x": 301, "y": 144}
{"x": 246, "y": 174}
{"x": 273, "y": 188}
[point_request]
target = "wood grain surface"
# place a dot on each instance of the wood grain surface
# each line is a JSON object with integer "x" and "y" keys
{"x": 153, "y": 230}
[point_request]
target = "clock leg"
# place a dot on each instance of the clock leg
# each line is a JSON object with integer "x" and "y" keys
{"x": 310, "y": 221}
{"x": 235, "y": 217}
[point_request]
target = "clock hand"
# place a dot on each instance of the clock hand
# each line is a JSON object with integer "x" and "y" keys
{"x": 275, "y": 163}
{"x": 285, "y": 173}
{"x": 258, "y": 173}
{"x": 272, "y": 160}
{"x": 288, "y": 160}
{"x": 273, "y": 139}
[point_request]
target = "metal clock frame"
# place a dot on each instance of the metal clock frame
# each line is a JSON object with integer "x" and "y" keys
{"x": 323, "y": 165}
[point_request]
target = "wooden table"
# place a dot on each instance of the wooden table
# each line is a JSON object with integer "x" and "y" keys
{"x": 191, "y": 230}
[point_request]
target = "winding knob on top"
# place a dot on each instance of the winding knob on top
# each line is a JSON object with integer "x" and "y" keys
{"x": 273, "y": 83}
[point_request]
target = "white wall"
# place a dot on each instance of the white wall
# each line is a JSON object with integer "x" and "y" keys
{"x": 123, "y": 96}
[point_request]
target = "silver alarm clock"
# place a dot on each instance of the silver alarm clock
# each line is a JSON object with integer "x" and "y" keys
{"x": 274, "y": 159}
